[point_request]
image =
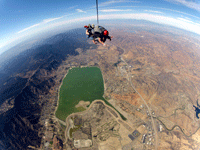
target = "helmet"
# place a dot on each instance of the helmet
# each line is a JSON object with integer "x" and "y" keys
{"x": 89, "y": 25}
{"x": 105, "y": 33}
{"x": 93, "y": 26}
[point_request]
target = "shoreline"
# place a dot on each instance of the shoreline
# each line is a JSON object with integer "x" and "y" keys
{"x": 116, "y": 116}
{"x": 80, "y": 113}
{"x": 62, "y": 84}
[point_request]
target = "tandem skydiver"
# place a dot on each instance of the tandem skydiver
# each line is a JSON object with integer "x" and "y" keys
{"x": 98, "y": 33}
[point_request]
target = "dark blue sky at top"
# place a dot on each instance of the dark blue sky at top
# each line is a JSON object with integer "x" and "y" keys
{"x": 17, "y": 15}
{"x": 21, "y": 13}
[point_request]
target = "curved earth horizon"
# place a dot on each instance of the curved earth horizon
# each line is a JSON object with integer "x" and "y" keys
{"x": 143, "y": 83}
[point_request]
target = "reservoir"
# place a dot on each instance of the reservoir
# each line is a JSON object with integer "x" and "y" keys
{"x": 197, "y": 111}
{"x": 79, "y": 84}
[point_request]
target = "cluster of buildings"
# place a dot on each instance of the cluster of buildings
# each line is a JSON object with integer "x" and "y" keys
{"x": 144, "y": 132}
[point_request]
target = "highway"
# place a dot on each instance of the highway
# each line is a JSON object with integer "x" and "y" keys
{"x": 152, "y": 119}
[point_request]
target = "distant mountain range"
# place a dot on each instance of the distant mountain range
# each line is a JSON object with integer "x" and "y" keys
{"x": 23, "y": 80}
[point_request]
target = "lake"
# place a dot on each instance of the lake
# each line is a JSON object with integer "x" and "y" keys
{"x": 79, "y": 84}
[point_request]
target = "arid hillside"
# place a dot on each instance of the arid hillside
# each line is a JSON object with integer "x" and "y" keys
{"x": 163, "y": 67}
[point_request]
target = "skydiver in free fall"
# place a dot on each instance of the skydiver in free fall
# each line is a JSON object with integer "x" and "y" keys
{"x": 98, "y": 33}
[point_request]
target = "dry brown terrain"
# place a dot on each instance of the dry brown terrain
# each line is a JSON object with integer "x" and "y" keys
{"x": 165, "y": 70}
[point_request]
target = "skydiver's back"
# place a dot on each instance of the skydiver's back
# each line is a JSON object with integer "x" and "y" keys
{"x": 98, "y": 30}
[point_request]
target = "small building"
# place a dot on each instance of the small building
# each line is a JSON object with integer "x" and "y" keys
{"x": 160, "y": 128}
{"x": 143, "y": 138}
{"x": 82, "y": 143}
{"x": 46, "y": 122}
{"x": 46, "y": 144}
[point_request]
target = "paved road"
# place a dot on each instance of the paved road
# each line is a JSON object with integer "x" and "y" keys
{"x": 152, "y": 119}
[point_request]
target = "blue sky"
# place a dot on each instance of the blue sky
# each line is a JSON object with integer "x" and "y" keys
{"x": 20, "y": 19}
